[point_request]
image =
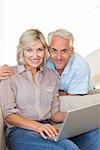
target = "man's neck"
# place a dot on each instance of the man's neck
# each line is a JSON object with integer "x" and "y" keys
{"x": 59, "y": 71}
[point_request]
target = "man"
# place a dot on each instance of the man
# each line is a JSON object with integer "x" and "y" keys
{"x": 74, "y": 76}
{"x": 72, "y": 69}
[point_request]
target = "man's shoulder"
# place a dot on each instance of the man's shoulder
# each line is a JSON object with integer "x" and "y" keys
{"x": 80, "y": 62}
{"x": 79, "y": 58}
{"x": 50, "y": 73}
{"x": 49, "y": 63}
{"x": 49, "y": 70}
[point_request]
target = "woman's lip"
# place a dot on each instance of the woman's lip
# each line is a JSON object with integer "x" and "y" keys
{"x": 35, "y": 61}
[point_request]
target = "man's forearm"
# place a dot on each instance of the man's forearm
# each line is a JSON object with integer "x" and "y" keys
{"x": 63, "y": 93}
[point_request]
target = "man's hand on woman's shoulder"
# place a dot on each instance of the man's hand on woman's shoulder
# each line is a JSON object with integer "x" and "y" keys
{"x": 5, "y": 72}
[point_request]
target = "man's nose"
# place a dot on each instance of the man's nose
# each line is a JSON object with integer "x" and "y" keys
{"x": 59, "y": 55}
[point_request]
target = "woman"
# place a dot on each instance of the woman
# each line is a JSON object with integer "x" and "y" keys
{"x": 31, "y": 99}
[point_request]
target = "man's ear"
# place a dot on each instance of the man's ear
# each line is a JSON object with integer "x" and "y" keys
{"x": 72, "y": 49}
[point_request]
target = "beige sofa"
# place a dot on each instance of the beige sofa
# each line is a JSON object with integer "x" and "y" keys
{"x": 2, "y": 141}
{"x": 67, "y": 103}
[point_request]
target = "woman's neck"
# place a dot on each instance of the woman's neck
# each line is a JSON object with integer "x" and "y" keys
{"x": 33, "y": 70}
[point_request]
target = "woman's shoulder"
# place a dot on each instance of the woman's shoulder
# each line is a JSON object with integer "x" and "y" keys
{"x": 15, "y": 71}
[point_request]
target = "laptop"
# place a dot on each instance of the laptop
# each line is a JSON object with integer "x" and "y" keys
{"x": 78, "y": 122}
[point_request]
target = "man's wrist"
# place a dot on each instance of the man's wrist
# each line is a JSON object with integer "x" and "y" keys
{"x": 62, "y": 93}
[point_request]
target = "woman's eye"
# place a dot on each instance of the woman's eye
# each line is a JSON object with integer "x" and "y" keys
{"x": 28, "y": 49}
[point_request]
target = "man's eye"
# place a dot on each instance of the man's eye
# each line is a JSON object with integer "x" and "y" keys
{"x": 53, "y": 50}
{"x": 65, "y": 50}
{"x": 40, "y": 49}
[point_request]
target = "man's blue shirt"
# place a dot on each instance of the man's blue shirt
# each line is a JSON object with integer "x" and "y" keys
{"x": 75, "y": 79}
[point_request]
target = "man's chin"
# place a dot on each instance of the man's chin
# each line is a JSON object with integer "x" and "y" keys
{"x": 59, "y": 67}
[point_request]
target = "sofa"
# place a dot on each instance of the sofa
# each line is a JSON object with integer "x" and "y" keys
{"x": 67, "y": 103}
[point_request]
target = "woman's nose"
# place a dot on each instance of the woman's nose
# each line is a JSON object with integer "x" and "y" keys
{"x": 35, "y": 54}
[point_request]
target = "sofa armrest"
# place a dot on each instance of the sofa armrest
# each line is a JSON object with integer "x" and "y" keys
{"x": 2, "y": 140}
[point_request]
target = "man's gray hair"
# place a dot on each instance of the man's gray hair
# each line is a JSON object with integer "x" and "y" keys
{"x": 62, "y": 33}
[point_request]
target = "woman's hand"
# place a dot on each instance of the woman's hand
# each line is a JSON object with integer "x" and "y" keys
{"x": 5, "y": 72}
{"x": 47, "y": 130}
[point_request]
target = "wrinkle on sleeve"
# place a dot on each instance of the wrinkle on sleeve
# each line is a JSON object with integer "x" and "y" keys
{"x": 7, "y": 98}
{"x": 56, "y": 102}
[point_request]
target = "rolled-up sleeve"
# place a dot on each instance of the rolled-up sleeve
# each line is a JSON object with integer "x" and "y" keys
{"x": 7, "y": 98}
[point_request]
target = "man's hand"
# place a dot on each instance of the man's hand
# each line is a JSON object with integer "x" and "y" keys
{"x": 62, "y": 93}
{"x": 5, "y": 72}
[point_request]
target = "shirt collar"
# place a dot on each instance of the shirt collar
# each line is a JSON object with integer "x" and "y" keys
{"x": 67, "y": 67}
{"x": 21, "y": 68}
{"x": 69, "y": 64}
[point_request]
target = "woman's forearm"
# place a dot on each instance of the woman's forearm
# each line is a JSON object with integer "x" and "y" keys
{"x": 58, "y": 116}
{"x": 22, "y": 122}
{"x": 43, "y": 129}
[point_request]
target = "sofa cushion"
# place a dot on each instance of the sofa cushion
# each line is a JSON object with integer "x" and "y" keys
{"x": 76, "y": 102}
{"x": 67, "y": 103}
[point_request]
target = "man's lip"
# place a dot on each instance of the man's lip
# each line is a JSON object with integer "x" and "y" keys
{"x": 58, "y": 62}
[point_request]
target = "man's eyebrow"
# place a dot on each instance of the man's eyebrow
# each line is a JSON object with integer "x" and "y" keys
{"x": 64, "y": 49}
{"x": 53, "y": 48}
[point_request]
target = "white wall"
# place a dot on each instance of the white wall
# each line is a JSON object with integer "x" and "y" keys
{"x": 94, "y": 62}
{"x": 81, "y": 17}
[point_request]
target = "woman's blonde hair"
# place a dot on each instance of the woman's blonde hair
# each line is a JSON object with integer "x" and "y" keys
{"x": 27, "y": 39}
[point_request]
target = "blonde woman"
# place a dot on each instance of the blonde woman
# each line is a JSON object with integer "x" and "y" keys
{"x": 31, "y": 99}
